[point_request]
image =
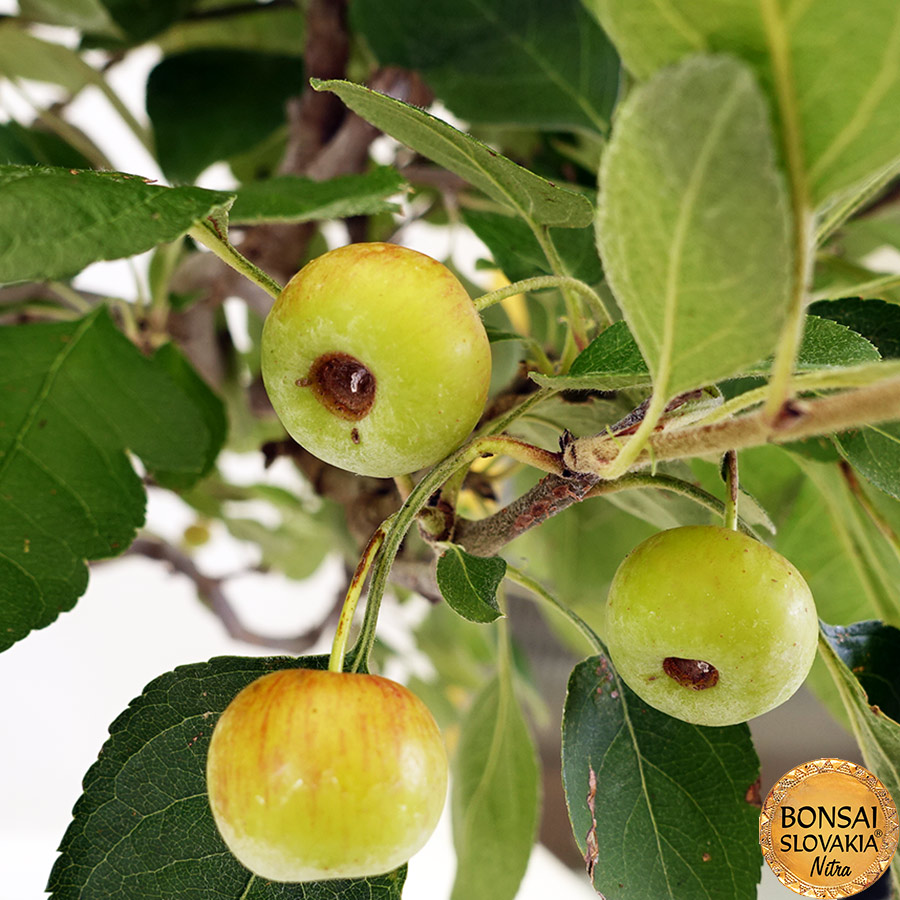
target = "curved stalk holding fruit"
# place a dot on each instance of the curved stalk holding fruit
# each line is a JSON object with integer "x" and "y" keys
{"x": 354, "y": 591}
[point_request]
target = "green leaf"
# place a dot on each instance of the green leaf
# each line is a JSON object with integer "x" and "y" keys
{"x": 54, "y": 222}
{"x": 689, "y": 187}
{"x": 236, "y": 100}
{"x": 290, "y": 198}
{"x": 658, "y": 807}
{"x": 469, "y": 583}
{"x": 209, "y": 410}
{"x": 852, "y": 571}
{"x": 613, "y": 361}
{"x": 828, "y": 344}
{"x": 868, "y": 233}
{"x": 530, "y": 63}
{"x": 874, "y": 451}
{"x": 140, "y": 20}
{"x": 22, "y": 55}
{"x": 143, "y": 827}
{"x": 841, "y": 207}
{"x": 496, "y": 336}
{"x": 494, "y": 796}
{"x": 31, "y": 146}
{"x": 875, "y": 320}
{"x": 76, "y": 397}
{"x": 532, "y": 197}
{"x": 296, "y": 546}
{"x": 517, "y": 252}
{"x": 89, "y": 16}
{"x": 871, "y": 286}
{"x": 877, "y": 735}
{"x": 837, "y": 278}
{"x": 840, "y": 137}
{"x": 870, "y": 651}
{"x": 267, "y": 29}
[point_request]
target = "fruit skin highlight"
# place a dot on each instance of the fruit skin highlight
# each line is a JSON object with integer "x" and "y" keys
{"x": 403, "y": 336}
{"x": 314, "y": 775}
{"x": 705, "y": 594}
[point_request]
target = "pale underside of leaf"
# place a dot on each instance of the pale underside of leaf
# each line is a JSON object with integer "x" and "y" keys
{"x": 832, "y": 70}
{"x": 693, "y": 224}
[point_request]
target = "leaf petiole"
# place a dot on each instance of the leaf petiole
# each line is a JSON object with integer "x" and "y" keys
{"x": 206, "y": 234}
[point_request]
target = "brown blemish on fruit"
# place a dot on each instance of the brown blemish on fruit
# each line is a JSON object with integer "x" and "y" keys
{"x": 342, "y": 384}
{"x": 354, "y": 435}
{"x": 691, "y": 673}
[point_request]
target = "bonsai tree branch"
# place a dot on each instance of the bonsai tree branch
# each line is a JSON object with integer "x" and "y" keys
{"x": 797, "y": 419}
{"x": 211, "y": 592}
{"x": 554, "y": 493}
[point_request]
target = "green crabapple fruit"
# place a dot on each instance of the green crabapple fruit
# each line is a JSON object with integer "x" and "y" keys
{"x": 314, "y": 775}
{"x": 375, "y": 359}
{"x": 709, "y": 625}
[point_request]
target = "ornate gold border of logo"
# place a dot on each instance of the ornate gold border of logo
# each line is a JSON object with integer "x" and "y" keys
{"x": 889, "y": 843}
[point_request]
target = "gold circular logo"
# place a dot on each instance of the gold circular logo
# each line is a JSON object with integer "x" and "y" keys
{"x": 828, "y": 829}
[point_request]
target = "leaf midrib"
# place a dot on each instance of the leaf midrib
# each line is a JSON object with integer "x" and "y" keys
{"x": 52, "y": 373}
{"x": 543, "y": 65}
{"x": 680, "y": 234}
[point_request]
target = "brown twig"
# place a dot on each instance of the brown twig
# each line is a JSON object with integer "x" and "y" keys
{"x": 551, "y": 495}
{"x": 313, "y": 118}
{"x": 212, "y": 592}
{"x": 797, "y": 419}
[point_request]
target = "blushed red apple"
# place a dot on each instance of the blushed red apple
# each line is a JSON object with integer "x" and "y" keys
{"x": 314, "y": 775}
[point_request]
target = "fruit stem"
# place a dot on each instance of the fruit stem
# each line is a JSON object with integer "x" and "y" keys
{"x": 517, "y": 576}
{"x": 339, "y": 645}
{"x": 209, "y": 235}
{"x": 730, "y": 473}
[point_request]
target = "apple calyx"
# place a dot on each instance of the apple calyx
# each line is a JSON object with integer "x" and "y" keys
{"x": 695, "y": 674}
{"x": 342, "y": 384}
